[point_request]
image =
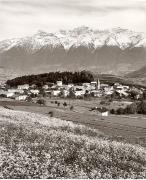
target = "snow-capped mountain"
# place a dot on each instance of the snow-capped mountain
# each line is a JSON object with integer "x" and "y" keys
{"x": 82, "y": 36}
{"x": 111, "y": 51}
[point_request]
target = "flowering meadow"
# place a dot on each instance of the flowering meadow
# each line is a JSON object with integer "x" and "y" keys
{"x": 37, "y": 146}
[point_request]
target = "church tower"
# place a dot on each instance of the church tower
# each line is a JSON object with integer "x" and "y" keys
{"x": 98, "y": 84}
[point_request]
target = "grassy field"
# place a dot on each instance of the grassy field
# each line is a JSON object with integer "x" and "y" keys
{"x": 129, "y": 129}
{"x": 36, "y": 146}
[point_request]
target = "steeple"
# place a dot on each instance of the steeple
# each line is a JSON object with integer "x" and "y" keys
{"x": 98, "y": 85}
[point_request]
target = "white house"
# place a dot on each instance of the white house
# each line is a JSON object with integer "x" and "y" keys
{"x": 96, "y": 93}
{"x": 21, "y": 98}
{"x": 59, "y": 83}
{"x": 104, "y": 86}
{"x": 65, "y": 93}
{"x": 104, "y": 113}
{"x": 70, "y": 86}
{"x": 34, "y": 91}
{"x": 45, "y": 87}
{"x": 20, "y": 91}
{"x": 93, "y": 85}
{"x": 79, "y": 93}
{"x": 25, "y": 86}
{"x": 10, "y": 94}
{"x": 56, "y": 92}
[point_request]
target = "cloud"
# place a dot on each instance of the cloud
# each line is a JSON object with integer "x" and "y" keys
{"x": 24, "y": 17}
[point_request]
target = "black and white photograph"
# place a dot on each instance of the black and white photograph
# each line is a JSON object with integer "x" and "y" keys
{"x": 72, "y": 89}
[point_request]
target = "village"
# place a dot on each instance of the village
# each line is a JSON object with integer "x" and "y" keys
{"x": 94, "y": 89}
{"x": 85, "y": 91}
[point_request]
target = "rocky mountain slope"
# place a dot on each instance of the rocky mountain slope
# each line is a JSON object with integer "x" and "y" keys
{"x": 114, "y": 51}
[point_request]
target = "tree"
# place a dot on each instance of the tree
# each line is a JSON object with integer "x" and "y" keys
{"x": 144, "y": 95}
{"x": 71, "y": 94}
{"x": 131, "y": 109}
{"x": 133, "y": 94}
{"x": 115, "y": 95}
{"x": 112, "y": 111}
{"x": 51, "y": 113}
{"x": 29, "y": 99}
{"x": 42, "y": 92}
{"x": 33, "y": 95}
{"x": 71, "y": 108}
{"x": 41, "y": 102}
{"x": 141, "y": 109}
{"x": 120, "y": 111}
{"x": 64, "y": 104}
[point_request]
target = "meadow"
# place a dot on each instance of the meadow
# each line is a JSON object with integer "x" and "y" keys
{"x": 36, "y": 146}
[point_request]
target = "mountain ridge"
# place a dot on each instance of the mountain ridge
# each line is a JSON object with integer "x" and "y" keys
{"x": 82, "y": 36}
{"x": 115, "y": 51}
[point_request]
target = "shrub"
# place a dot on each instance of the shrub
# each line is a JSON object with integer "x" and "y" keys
{"x": 103, "y": 102}
{"x": 71, "y": 108}
{"x": 131, "y": 109}
{"x": 144, "y": 95}
{"x": 64, "y": 104}
{"x": 56, "y": 102}
{"x": 112, "y": 111}
{"x": 120, "y": 111}
{"x": 51, "y": 113}
{"x": 141, "y": 109}
{"x": 41, "y": 102}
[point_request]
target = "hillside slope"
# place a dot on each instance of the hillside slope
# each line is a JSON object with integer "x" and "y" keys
{"x": 36, "y": 146}
{"x": 138, "y": 76}
{"x": 141, "y": 73}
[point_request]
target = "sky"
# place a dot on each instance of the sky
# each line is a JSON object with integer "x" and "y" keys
{"x": 20, "y": 18}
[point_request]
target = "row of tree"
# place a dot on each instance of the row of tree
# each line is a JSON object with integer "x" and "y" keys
{"x": 139, "y": 107}
{"x": 42, "y": 79}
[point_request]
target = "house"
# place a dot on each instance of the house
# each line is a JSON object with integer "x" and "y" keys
{"x": 34, "y": 91}
{"x": 102, "y": 111}
{"x": 103, "y": 86}
{"x": 79, "y": 93}
{"x": 78, "y": 88}
{"x": 20, "y": 91}
{"x": 87, "y": 86}
{"x": 96, "y": 93}
{"x": 65, "y": 93}
{"x": 59, "y": 83}
{"x": 45, "y": 87}
{"x": 93, "y": 85}
{"x": 21, "y": 98}
{"x": 33, "y": 86}
{"x": 10, "y": 94}
{"x": 70, "y": 86}
{"x": 48, "y": 92}
{"x": 56, "y": 92}
{"x": 25, "y": 86}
